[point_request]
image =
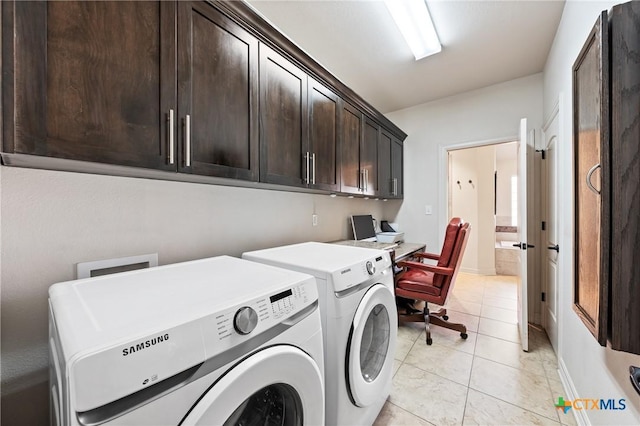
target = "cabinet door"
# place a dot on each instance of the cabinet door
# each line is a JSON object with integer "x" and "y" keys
{"x": 218, "y": 93}
{"x": 369, "y": 157}
{"x": 283, "y": 121}
{"x": 591, "y": 139}
{"x": 352, "y": 126}
{"x": 625, "y": 177}
{"x": 397, "y": 168}
{"x": 93, "y": 81}
{"x": 324, "y": 136}
{"x": 384, "y": 164}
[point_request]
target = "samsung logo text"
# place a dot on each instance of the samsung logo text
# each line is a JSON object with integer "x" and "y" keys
{"x": 146, "y": 344}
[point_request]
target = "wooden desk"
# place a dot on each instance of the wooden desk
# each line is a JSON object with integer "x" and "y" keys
{"x": 400, "y": 251}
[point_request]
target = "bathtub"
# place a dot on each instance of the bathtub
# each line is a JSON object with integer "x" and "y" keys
{"x": 507, "y": 258}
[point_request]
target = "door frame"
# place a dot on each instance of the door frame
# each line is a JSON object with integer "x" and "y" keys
{"x": 534, "y": 287}
{"x": 556, "y": 111}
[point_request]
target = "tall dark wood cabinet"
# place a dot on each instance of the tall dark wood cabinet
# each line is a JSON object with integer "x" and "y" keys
{"x": 91, "y": 81}
{"x": 606, "y": 80}
{"x": 217, "y": 125}
{"x": 625, "y": 177}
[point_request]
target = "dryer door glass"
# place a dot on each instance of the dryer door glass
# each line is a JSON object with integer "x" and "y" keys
{"x": 278, "y": 385}
{"x": 374, "y": 344}
{"x": 371, "y": 346}
{"x": 274, "y": 405}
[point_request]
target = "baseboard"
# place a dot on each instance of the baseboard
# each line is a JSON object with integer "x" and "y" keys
{"x": 580, "y": 415}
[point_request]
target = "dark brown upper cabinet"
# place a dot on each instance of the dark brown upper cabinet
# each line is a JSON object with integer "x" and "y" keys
{"x": 397, "y": 168}
{"x": 606, "y": 136}
{"x": 324, "y": 137}
{"x": 178, "y": 90}
{"x": 300, "y": 126}
{"x": 352, "y": 125}
{"x": 91, "y": 81}
{"x": 369, "y": 157}
{"x": 218, "y": 95}
{"x": 284, "y": 157}
{"x": 115, "y": 91}
{"x": 389, "y": 166}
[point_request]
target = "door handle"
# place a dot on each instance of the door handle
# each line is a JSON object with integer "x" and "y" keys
{"x": 556, "y": 248}
{"x": 307, "y": 158}
{"x": 524, "y": 246}
{"x": 171, "y": 141}
{"x": 589, "y": 173}
{"x": 187, "y": 140}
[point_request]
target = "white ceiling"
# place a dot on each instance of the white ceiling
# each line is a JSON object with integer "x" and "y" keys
{"x": 484, "y": 43}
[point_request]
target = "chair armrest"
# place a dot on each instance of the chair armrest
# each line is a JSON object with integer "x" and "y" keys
{"x": 425, "y": 267}
{"x": 426, "y": 255}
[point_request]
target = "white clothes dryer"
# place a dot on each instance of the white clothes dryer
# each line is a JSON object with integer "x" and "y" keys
{"x": 208, "y": 342}
{"x": 359, "y": 323}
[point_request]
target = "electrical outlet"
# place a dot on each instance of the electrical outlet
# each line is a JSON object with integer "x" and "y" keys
{"x": 314, "y": 219}
{"x": 428, "y": 210}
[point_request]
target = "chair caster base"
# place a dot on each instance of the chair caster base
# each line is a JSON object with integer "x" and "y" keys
{"x": 464, "y": 335}
{"x": 445, "y": 317}
{"x": 429, "y": 341}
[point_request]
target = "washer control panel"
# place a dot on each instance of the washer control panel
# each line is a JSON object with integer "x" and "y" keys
{"x": 259, "y": 314}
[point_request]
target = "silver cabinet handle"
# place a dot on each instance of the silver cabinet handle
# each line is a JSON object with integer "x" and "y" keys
{"x": 313, "y": 162}
{"x": 171, "y": 141}
{"x": 361, "y": 182}
{"x": 307, "y": 157}
{"x": 589, "y": 173}
{"x": 187, "y": 140}
{"x": 395, "y": 186}
{"x": 366, "y": 179}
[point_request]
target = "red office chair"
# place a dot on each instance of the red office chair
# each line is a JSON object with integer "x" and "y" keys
{"x": 434, "y": 283}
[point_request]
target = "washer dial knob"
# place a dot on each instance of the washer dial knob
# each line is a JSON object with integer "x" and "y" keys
{"x": 371, "y": 268}
{"x": 245, "y": 320}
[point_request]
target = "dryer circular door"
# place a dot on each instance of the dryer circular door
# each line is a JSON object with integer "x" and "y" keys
{"x": 372, "y": 345}
{"x": 279, "y": 385}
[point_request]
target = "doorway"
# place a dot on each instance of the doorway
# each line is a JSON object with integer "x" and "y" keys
{"x": 483, "y": 189}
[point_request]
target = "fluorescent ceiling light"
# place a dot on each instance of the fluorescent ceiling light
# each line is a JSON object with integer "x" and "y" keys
{"x": 414, "y": 21}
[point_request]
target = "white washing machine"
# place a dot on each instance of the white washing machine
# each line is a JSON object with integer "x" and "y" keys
{"x": 209, "y": 342}
{"x": 359, "y": 323}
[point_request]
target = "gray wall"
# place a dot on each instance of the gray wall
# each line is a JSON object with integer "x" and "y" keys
{"x": 49, "y": 221}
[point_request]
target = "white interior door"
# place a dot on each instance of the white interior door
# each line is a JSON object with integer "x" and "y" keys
{"x": 523, "y": 312}
{"x": 550, "y": 257}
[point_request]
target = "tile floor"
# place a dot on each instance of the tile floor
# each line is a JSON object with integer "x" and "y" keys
{"x": 484, "y": 380}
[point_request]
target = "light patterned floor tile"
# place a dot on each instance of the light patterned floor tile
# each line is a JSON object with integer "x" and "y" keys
{"x": 428, "y": 396}
{"x": 501, "y": 292}
{"x": 470, "y": 321}
{"x": 451, "y": 339}
{"x": 557, "y": 390}
{"x": 464, "y": 306}
{"x": 500, "y": 302}
{"x": 471, "y": 295}
{"x": 445, "y": 362}
{"x": 396, "y": 366}
{"x": 403, "y": 346}
{"x": 518, "y": 387}
{"x": 499, "y": 314}
{"x": 500, "y": 329}
{"x": 483, "y": 409}
{"x": 392, "y": 415}
{"x": 508, "y": 353}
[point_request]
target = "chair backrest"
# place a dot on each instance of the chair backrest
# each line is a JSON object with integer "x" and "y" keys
{"x": 455, "y": 242}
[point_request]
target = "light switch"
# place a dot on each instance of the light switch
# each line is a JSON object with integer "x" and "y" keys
{"x": 428, "y": 210}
